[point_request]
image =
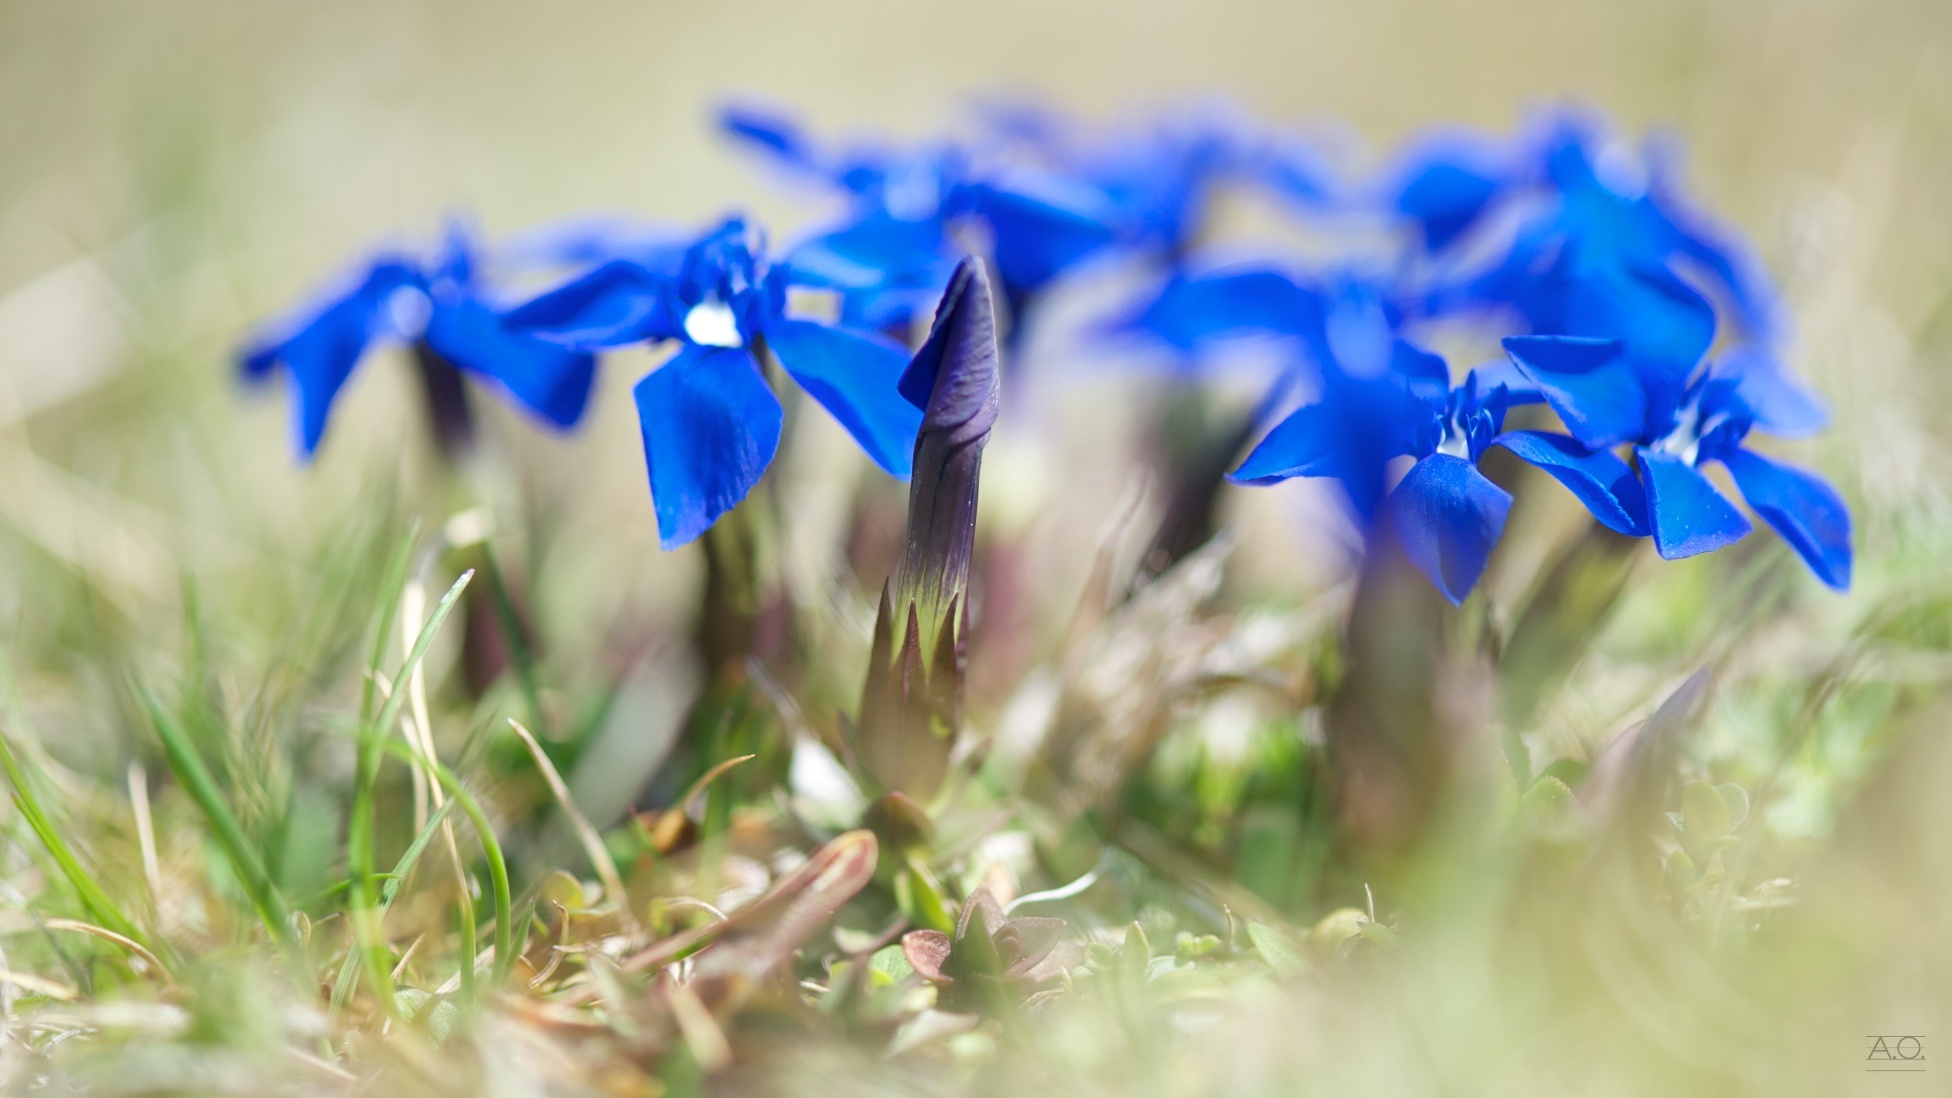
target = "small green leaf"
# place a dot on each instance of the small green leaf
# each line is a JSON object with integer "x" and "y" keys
{"x": 1378, "y": 933}
{"x": 1279, "y": 953}
{"x": 1548, "y": 798}
{"x": 1737, "y": 800}
{"x": 1569, "y": 771}
{"x": 1189, "y": 947}
{"x": 1135, "y": 955}
{"x": 1704, "y": 813}
{"x": 1681, "y": 869}
{"x": 890, "y": 965}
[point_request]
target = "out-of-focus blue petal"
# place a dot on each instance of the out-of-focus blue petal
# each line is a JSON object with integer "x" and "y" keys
{"x": 1350, "y": 434}
{"x": 1603, "y": 482}
{"x": 854, "y": 376}
{"x": 1687, "y": 514}
{"x": 1305, "y": 444}
{"x": 550, "y": 380}
{"x": 1778, "y": 401}
{"x": 711, "y": 426}
{"x": 1294, "y": 169}
{"x": 1192, "y": 310}
{"x": 872, "y": 250}
{"x": 614, "y": 305}
{"x": 1721, "y": 253}
{"x": 770, "y": 131}
{"x": 1587, "y": 382}
{"x": 1448, "y": 517}
{"x": 1662, "y": 320}
{"x": 1445, "y": 199}
{"x": 1034, "y": 241}
{"x": 1426, "y": 374}
{"x": 322, "y": 349}
{"x": 1808, "y": 513}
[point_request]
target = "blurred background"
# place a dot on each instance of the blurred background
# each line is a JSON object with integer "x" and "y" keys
{"x": 172, "y": 173}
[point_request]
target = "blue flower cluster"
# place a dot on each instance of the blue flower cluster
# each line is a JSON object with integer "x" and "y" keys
{"x": 1650, "y": 334}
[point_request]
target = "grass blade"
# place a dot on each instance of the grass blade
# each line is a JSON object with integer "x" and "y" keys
{"x": 586, "y": 833}
{"x": 92, "y": 897}
{"x": 372, "y": 739}
{"x": 237, "y": 846}
{"x": 491, "y": 849}
{"x": 349, "y": 973}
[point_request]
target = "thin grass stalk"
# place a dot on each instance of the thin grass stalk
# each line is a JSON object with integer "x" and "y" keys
{"x": 237, "y": 846}
{"x": 586, "y": 833}
{"x": 92, "y": 896}
{"x": 349, "y": 973}
{"x": 372, "y": 735}
{"x": 418, "y": 729}
{"x": 491, "y": 850}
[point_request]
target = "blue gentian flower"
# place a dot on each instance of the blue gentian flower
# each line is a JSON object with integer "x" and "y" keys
{"x": 1448, "y": 181}
{"x": 1446, "y": 514}
{"x": 1607, "y": 254}
{"x": 438, "y": 307}
{"x": 1383, "y": 398}
{"x": 893, "y": 251}
{"x": 1676, "y": 429}
{"x": 711, "y": 423}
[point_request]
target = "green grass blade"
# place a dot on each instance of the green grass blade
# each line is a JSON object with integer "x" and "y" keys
{"x": 237, "y": 846}
{"x": 491, "y": 849}
{"x": 359, "y": 832}
{"x": 93, "y": 898}
{"x": 349, "y": 973}
{"x": 395, "y": 584}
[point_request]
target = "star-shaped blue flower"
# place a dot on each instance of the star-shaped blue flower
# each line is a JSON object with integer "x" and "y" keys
{"x": 711, "y": 423}
{"x": 892, "y": 252}
{"x": 396, "y": 296}
{"x": 1675, "y": 429}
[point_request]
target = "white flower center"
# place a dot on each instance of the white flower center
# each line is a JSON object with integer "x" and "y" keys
{"x": 711, "y": 323}
{"x": 1684, "y": 441}
{"x": 408, "y": 310}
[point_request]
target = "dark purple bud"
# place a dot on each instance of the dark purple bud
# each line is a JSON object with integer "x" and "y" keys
{"x": 954, "y": 380}
{"x": 911, "y": 705}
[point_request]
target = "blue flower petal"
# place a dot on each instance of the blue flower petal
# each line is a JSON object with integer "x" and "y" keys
{"x": 1808, "y": 513}
{"x": 1778, "y": 401}
{"x": 1663, "y": 321}
{"x": 1305, "y": 444}
{"x": 614, "y": 305}
{"x": 550, "y": 380}
{"x": 322, "y": 350}
{"x": 711, "y": 426}
{"x": 1448, "y": 517}
{"x": 1351, "y": 434}
{"x": 1189, "y": 311}
{"x": 854, "y": 376}
{"x": 1427, "y": 374}
{"x": 771, "y": 131}
{"x": 1689, "y": 515}
{"x": 1034, "y": 241}
{"x": 872, "y": 250}
{"x": 1586, "y": 382}
{"x": 1603, "y": 482}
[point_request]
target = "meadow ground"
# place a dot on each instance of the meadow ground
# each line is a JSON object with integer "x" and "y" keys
{"x": 202, "y": 634}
